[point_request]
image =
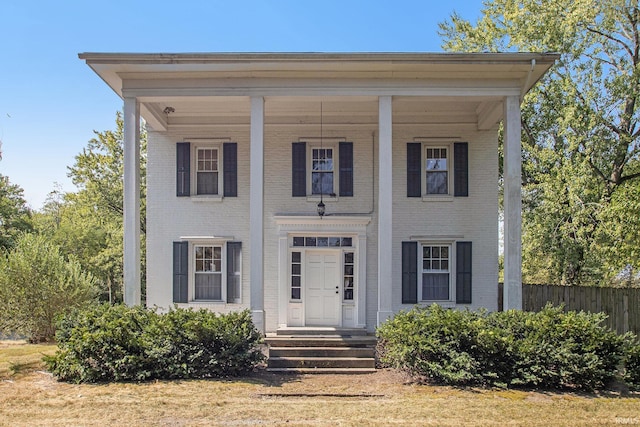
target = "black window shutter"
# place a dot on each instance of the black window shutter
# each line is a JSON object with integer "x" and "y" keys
{"x": 234, "y": 252}
{"x": 414, "y": 172}
{"x": 299, "y": 169}
{"x": 463, "y": 272}
{"x": 180, "y": 271}
{"x": 346, "y": 169}
{"x": 461, "y": 169}
{"x": 409, "y": 272}
{"x": 183, "y": 169}
{"x": 230, "y": 165}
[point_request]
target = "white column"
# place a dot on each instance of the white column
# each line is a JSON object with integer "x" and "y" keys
{"x": 256, "y": 212}
{"x": 385, "y": 201}
{"x": 131, "y": 202}
{"x": 283, "y": 276}
{"x": 512, "y": 205}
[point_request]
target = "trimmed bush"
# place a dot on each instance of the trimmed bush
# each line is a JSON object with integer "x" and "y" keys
{"x": 119, "y": 343}
{"x": 549, "y": 349}
{"x": 632, "y": 367}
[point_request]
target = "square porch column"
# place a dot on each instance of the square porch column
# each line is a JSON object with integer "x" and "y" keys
{"x": 131, "y": 208}
{"x": 256, "y": 212}
{"x": 512, "y": 298}
{"x": 385, "y": 209}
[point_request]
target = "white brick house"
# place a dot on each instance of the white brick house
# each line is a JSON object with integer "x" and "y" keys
{"x": 401, "y": 148}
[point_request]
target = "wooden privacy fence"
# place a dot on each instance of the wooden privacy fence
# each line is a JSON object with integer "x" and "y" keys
{"x": 621, "y": 305}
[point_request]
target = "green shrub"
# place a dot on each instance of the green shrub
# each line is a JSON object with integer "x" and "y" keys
{"x": 549, "y": 349}
{"x": 632, "y": 366}
{"x": 38, "y": 285}
{"x": 119, "y": 343}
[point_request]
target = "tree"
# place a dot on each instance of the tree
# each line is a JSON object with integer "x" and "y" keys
{"x": 15, "y": 215}
{"x": 37, "y": 285}
{"x": 88, "y": 223}
{"x": 581, "y": 129}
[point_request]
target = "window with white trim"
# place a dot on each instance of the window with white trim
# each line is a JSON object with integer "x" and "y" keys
{"x": 208, "y": 273}
{"x": 348, "y": 275}
{"x": 207, "y": 171}
{"x": 296, "y": 276}
{"x": 322, "y": 171}
{"x": 436, "y": 273}
{"x": 437, "y": 170}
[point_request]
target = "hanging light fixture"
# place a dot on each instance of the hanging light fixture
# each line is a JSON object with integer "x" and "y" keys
{"x": 321, "y": 206}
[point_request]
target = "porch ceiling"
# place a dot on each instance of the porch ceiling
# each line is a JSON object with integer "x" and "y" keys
{"x": 214, "y": 89}
{"x": 354, "y": 110}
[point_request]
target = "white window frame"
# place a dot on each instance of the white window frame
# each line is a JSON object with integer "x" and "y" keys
{"x": 195, "y": 241}
{"x": 449, "y": 162}
{"x": 222, "y": 272}
{"x": 336, "y": 171}
{"x": 206, "y": 145}
{"x": 452, "y": 269}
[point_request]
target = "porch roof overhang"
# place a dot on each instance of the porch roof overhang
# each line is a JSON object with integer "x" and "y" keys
{"x": 212, "y": 89}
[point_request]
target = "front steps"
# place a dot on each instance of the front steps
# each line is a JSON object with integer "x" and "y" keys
{"x": 321, "y": 350}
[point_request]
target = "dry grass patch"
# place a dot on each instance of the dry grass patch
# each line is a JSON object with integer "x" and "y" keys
{"x": 383, "y": 398}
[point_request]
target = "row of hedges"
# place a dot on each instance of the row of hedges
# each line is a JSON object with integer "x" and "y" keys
{"x": 119, "y": 343}
{"x": 546, "y": 349}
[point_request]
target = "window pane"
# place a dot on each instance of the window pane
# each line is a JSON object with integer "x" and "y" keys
{"x": 334, "y": 241}
{"x": 199, "y": 252}
{"x": 426, "y": 252}
{"x": 208, "y": 286}
{"x": 444, "y": 264}
{"x": 309, "y": 241}
{"x": 322, "y": 182}
{"x": 298, "y": 241}
{"x": 199, "y": 265}
{"x": 426, "y": 264}
{"x": 323, "y": 241}
{"x": 348, "y": 257}
{"x": 435, "y": 286}
{"x": 348, "y": 294}
{"x": 444, "y": 252}
{"x": 295, "y": 257}
{"x": 346, "y": 241}
{"x": 295, "y": 269}
{"x": 295, "y": 293}
{"x": 435, "y": 252}
{"x": 348, "y": 282}
{"x": 207, "y": 183}
{"x": 295, "y": 281}
{"x": 348, "y": 270}
{"x": 437, "y": 183}
{"x": 207, "y": 265}
{"x": 217, "y": 252}
{"x": 217, "y": 265}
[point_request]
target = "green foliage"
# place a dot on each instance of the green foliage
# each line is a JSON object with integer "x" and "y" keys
{"x": 15, "y": 216}
{"x": 88, "y": 224}
{"x": 37, "y": 285}
{"x": 119, "y": 343}
{"x": 549, "y": 349}
{"x": 632, "y": 367}
{"x": 581, "y": 145}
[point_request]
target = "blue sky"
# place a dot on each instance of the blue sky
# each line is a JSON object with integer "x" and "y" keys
{"x": 51, "y": 102}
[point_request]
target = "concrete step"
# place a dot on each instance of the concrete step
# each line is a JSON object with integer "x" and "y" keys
{"x": 363, "y": 352}
{"x": 320, "y": 362}
{"x": 323, "y": 370}
{"x": 321, "y": 341}
{"x": 321, "y": 331}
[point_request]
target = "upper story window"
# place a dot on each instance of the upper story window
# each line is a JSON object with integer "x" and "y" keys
{"x": 322, "y": 167}
{"x": 207, "y": 168}
{"x": 437, "y": 170}
{"x": 327, "y": 170}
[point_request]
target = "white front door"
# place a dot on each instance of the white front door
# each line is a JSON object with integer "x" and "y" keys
{"x": 322, "y": 279}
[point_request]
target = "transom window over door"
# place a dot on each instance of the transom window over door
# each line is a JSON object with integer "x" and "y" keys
{"x": 322, "y": 166}
{"x": 208, "y": 273}
{"x": 207, "y": 169}
{"x": 437, "y": 170}
{"x": 435, "y": 273}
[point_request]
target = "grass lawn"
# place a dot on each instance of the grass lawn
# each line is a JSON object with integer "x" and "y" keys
{"x": 30, "y": 396}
